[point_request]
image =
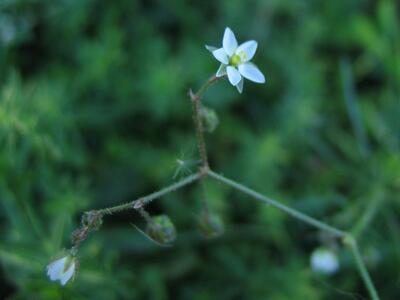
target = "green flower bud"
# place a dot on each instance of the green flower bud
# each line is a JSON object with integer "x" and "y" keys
{"x": 210, "y": 118}
{"x": 161, "y": 229}
{"x": 210, "y": 225}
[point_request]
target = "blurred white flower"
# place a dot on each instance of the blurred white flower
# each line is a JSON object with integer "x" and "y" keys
{"x": 62, "y": 269}
{"x": 235, "y": 60}
{"x": 324, "y": 260}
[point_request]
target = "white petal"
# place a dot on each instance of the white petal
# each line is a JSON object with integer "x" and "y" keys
{"x": 221, "y": 55}
{"x": 247, "y": 50}
{"x": 221, "y": 71}
{"x": 68, "y": 274}
{"x": 239, "y": 86}
{"x": 233, "y": 75}
{"x": 54, "y": 269}
{"x": 211, "y": 48}
{"x": 229, "y": 41}
{"x": 251, "y": 72}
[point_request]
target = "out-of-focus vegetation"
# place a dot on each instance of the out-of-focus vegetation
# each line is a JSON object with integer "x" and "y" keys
{"x": 94, "y": 112}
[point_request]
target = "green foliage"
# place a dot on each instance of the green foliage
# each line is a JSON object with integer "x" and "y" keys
{"x": 94, "y": 112}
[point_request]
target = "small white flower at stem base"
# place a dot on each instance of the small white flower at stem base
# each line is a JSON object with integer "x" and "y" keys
{"x": 325, "y": 261}
{"x": 235, "y": 60}
{"x": 62, "y": 269}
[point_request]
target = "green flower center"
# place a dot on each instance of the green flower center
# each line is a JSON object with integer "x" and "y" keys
{"x": 235, "y": 60}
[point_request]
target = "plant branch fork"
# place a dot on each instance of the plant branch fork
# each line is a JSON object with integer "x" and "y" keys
{"x": 204, "y": 170}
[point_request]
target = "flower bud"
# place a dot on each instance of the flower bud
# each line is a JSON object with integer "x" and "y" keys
{"x": 210, "y": 225}
{"x": 210, "y": 118}
{"x": 161, "y": 229}
{"x": 325, "y": 261}
{"x": 63, "y": 268}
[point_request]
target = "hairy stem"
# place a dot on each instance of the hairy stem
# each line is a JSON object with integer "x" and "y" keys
{"x": 140, "y": 202}
{"x": 196, "y": 106}
{"x": 201, "y": 144}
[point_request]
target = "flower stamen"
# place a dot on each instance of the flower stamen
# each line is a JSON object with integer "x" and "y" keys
{"x": 235, "y": 60}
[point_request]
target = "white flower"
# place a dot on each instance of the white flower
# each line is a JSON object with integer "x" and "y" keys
{"x": 324, "y": 261}
{"x": 62, "y": 269}
{"x": 235, "y": 60}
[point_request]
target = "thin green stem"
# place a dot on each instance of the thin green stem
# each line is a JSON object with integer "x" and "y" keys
{"x": 352, "y": 243}
{"x": 291, "y": 211}
{"x": 140, "y": 202}
{"x": 347, "y": 238}
{"x": 213, "y": 79}
{"x": 145, "y": 215}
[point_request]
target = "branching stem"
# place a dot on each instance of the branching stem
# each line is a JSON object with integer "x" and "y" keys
{"x": 205, "y": 170}
{"x": 140, "y": 202}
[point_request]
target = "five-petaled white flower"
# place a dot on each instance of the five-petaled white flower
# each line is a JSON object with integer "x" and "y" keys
{"x": 235, "y": 60}
{"x": 325, "y": 261}
{"x": 62, "y": 269}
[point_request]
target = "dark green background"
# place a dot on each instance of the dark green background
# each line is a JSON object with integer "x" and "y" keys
{"x": 94, "y": 112}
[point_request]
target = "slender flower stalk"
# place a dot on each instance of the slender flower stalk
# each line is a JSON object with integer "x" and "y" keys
{"x": 196, "y": 107}
{"x": 201, "y": 144}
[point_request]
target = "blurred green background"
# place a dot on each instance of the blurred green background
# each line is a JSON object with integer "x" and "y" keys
{"x": 94, "y": 112}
